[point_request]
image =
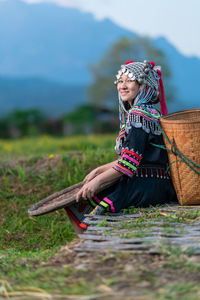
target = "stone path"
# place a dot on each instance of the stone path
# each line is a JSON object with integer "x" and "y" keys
{"x": 140, "y": 233}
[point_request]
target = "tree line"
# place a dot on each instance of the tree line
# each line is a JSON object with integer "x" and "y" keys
{"x": 86, "y": 119}
{"x": 99, "y": 115}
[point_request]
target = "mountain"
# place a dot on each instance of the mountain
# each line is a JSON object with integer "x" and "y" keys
{"x": 185, "y": 76}
{"x": 45, "y": 51}
{"x": 53, "y": 42}
{"x": 54, "y": 99}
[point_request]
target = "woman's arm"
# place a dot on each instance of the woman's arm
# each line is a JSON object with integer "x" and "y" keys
{"x": 98, "y": 171}
{"x": 98, "y": 183}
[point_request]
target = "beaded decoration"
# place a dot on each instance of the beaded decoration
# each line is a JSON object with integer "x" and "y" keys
{"x": 142, "y": 72}
{"x": 139, "y": 118}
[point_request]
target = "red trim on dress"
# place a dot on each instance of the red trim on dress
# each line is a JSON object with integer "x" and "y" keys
{"x": 84, "y": 226}
{"x": 132, "y": 153}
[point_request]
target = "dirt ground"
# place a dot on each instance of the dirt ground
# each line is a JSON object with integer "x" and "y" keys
{"x": 172, "y": 275}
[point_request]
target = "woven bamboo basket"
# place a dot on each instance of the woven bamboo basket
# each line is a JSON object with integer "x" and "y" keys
{"x": 183, "y": 130}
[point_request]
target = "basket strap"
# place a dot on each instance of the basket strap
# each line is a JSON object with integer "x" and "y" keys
{"x": 175, "y": 150}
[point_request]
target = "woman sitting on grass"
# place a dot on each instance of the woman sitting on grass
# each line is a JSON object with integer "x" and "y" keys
{"x": 139, "y": 177}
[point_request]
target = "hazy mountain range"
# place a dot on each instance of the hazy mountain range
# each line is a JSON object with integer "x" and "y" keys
{"x": 45, "y": 51}
{"x": 52, "y": 98}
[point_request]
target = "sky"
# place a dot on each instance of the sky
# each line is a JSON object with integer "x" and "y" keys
{"x": 176, "y": 20}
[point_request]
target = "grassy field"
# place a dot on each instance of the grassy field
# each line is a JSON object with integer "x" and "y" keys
{"x": 36, "y": 254}
{"x": 46, "y": 145}
{"x": 31, "y": 169}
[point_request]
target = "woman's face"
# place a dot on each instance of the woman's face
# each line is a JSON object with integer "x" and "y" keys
{"x": 127, "y": 88}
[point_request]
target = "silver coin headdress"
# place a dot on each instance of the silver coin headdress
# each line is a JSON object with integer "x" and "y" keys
{"x": 145, "y": 72}
{"x": 151, "y": 86}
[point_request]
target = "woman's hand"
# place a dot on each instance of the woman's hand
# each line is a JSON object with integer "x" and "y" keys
{"x": 91, "y": 175}
{"x": 88, "y": 190}
{"x": 98, "y": 171}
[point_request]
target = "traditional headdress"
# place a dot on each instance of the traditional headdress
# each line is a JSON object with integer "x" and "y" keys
{"x": 151, "y": 86}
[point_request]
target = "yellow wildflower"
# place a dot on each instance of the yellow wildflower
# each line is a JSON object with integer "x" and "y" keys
{"x": 7, "y": 147}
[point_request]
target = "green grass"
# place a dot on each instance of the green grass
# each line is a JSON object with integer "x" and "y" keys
{"x": 45, "y": 145}
{"x": 182, "y": 291}
{"x": 30, "y": 170}
{"x": 20, "y": 190}
{"x": 24, "y": 269}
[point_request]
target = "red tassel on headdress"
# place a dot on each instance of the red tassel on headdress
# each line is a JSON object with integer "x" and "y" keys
{"x": 163, "y": 105}
{"x": 129, "y": 62}
{"x": 152, "y": 64}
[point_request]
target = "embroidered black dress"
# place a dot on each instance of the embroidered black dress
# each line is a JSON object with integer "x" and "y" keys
{"x": 145, "y": 180}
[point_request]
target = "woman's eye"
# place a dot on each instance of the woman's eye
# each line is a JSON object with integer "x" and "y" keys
{"x": 127, "y": 81}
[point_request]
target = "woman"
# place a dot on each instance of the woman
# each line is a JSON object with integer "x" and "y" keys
{"x": 139, "y": 177}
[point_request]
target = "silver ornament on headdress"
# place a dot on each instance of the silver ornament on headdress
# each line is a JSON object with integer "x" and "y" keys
{"x": 148, "y": 78}
{"x": 126, "y": 72}
{"x": 140, "y": 80}
{"x": 143, "y": 72}
{"x": 130, "y": 75}
{"x": 123, "y": 69}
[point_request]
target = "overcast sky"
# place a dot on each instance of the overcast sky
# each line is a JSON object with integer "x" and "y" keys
{"x": 177, "y": 20}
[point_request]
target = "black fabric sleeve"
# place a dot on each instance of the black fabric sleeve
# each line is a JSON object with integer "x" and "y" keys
{"x": 132, "y": 151}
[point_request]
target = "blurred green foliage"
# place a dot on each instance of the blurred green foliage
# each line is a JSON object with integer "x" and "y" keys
{"x": 86, "y": 119}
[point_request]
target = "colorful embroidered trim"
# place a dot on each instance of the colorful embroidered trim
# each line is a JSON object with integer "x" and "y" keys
{"x": 97, "y": 200}
{"x": 140, "y": 111}
{"x": 152, "y": 172}
{"x": 120, "y": 139}
{"x": 93, "y": 202}
{"x": 134, "y": 154}
{"x": 121, "y": 134}
{"x": 128, "y": 162}
{"x": 124, "y": 170}
{"x": 107, "y": 203}
{"x": 124, "y": 162}
{"x": 140, "y": 117}
{"x": 130, "y": 159}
